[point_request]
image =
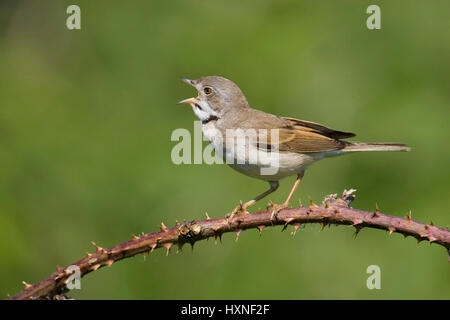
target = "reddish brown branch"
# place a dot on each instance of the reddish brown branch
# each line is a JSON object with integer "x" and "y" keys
{"x": 333, "y": 210}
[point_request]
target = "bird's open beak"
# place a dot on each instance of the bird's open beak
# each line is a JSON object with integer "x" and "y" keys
{"x": 190, "y": 100}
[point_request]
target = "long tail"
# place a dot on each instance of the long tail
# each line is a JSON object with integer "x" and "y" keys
{"x": 376, "y": 146}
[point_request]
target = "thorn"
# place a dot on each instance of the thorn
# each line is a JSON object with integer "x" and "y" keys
{"x": 324, "y": 224}
{"x": 109, "y": 262}
{"x": 95, "y": 267}
{"x": 207, "y": 216}
{"x": 95, "y": 245}
{"x": 238, "y": 232}
{"x": 405, "y": 235}
{"x": 192, "y": 246}
{"x": 312, "y": 204}
{"x": 135, "y": 237}
{"x": 217, "y": 236}
{"x": 26, "y": 285}
{"x": 426, "y": 227}
{"x": 409, "y": 217}
{"x": 357, "y": 230}
{"x": 180, "y": 246}
{"x": 289, "y": 220}
{"x": 177, "y": 224}
{"x": 357, "y": 221}
{"x": 260, "y": 228}
{"x": 391, "y": 229}
{"x": 375, "y": 214}
{"x": 153, "y": 247}
{"x": 59, "y": 269}
{"x": 431, "y": 224}
{"x": 167, "y": 245}
{"x": 376, "y": 207}
{"x": 144, "y": 254}
{"x": 296, "y": 226}
{"x": 88, "y": 255}
{"x": 98, "y": 248}
{"x": 163, "y": 227}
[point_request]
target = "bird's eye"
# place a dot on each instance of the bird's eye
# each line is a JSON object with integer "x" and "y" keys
{"x": 207, "y": 90}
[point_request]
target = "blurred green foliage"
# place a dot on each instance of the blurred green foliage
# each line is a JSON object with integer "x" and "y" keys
{"x": 86, "y": 118}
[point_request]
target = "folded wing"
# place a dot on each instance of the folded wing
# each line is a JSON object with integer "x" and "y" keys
{"x": 303, "y": 137}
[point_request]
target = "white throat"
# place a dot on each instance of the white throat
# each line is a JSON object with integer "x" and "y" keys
{"x": 203, "y": 111}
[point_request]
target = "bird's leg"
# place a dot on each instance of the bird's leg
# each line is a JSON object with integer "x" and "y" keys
{"x": 278, "y": 207}
{"x": 243, "y": 207}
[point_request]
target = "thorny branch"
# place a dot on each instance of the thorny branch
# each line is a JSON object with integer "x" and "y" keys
{"x": 333, "y": 210}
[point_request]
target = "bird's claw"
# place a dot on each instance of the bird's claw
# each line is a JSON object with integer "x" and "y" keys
{"x": 275, "y": 209}
{"x": 239, "y": 208}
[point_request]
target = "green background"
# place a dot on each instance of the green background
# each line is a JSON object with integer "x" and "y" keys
{"x": 86, "y": 118}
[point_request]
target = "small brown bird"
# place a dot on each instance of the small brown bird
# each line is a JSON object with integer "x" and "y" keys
{"x": 294, "y": 144}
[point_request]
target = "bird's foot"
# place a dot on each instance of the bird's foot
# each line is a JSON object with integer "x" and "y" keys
{"x": 275, "y": 209}
{"x": 242, "y": 208}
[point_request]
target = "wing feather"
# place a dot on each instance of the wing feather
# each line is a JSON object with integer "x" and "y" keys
{"x": 312, "y": 126}
{"x": 303, "y": 137}
{"x": 299, "y": 141}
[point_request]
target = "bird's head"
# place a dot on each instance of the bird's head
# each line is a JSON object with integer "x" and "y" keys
{"x": 216, "y": 96}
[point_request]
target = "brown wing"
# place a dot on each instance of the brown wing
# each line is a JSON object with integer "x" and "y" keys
{"x": 315, "y": 127}
{"x": 304, "y": 137}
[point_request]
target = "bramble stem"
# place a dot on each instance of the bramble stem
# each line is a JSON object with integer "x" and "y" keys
{"x": 333, "y": 210}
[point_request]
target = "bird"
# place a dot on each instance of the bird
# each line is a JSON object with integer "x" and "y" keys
{"x": 222, "y": 107}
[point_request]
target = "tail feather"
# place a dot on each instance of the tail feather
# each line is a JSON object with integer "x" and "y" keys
{"x": 376, "y": 146}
